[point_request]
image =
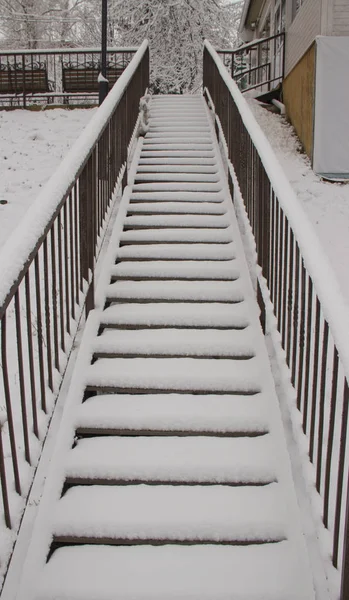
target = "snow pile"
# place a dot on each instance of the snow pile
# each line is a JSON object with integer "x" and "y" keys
{"x": 32, "y": 146}
{"x": 326, "y": 204}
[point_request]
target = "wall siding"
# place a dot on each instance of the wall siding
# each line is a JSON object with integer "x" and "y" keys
{"x": 340, "y": 17}
{"x": 302, "y": 32}
{"x": 298, "y": 96}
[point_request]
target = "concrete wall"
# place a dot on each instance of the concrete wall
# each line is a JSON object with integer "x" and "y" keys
{"x": 298, "y": 97}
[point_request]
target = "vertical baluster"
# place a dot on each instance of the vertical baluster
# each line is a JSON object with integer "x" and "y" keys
{"x": 339, "y": 495}
{"x": 21, "y": 377}
{"x": 323, "y": 381}
{"x": 12, "y": 435}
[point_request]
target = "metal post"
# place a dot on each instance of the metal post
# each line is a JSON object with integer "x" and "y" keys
{"x": 103, "y": 83}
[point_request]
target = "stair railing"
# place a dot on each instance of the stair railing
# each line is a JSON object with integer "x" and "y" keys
{"x": 258, "y": 64}
{"x": 311, "y": 314}
{"x": 46, "y": 274}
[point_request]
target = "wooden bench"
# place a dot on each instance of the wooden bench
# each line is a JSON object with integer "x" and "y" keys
{"x": 19, "y": 81}
{"x": 85, "y": 79}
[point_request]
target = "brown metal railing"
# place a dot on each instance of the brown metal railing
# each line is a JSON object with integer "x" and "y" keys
{"x": 47, "y": 272}
{"x": 62, "y": 75}
{"x": 311, "y": 315}
{"x": 259, "y": 64}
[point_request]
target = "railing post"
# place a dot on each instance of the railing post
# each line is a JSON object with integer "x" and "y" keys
{"x": 345, "y": 561}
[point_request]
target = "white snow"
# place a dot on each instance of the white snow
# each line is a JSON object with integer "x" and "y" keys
{"x": 175, "y": 195}
{"x": 177, "y": 374}
{"x": 183, "y": 459}
{"x": 209, "y": 208}
{"x": 178, "y": 314}
{"x": 177, "y": 342}
{"x": 209, "y": 221}
{"x": 32, "y": 145}
{"x": 223, "y": 235}
{"x": 182, "y": 251}
{"x": 326, "y": 204}
{"x": 168, "y": 573}
{"x": 201, "y": 513}
{"x": 197, "y": 291}
{"x": 174, "y": 412}
{"x": 177, "y": 270}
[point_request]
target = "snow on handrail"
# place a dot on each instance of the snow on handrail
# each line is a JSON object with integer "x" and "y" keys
{"x": 19, "y": 248}
{"x": 334, "y": 306}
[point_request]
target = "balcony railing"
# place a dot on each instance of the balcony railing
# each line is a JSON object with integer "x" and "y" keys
{"x": 257, "y": 65}
{"x": 47, "y": 274}
{"x": 69, "y": 76}
{"x": 310, "y": 312}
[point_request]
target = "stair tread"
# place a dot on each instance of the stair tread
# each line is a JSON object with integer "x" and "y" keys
{"x": 173, "y": 196}
{"x": 180, "y": 221}
{"x": 174, "y": 412}
{"x": 179, "y": 176}
{"x": 178, "y": 314}
{"x": 141, "y": 512}
{"x": 175, "y": 251}
{"x": 174, "y": 270}
{"x": 209, "y": 208}
{"x": 189, "y": 186}
{"x": 196, "y": 291}
{"x": 200, "y": 235}
{"x": 177, "y": 374}
{"x": 238, "y": 460}
{"x": 271, "y": 572}
{"x": 176, "y": 342}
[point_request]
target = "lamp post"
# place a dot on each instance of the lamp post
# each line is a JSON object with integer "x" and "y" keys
{"x": 102, "y": 78}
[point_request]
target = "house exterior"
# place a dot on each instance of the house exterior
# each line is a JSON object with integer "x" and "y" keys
{"x": 315, "y": 88}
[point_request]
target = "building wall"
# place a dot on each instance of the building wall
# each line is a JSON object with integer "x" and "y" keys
{"x": 298, "y": 96}
{"x": 340, "y": 17}
{"x": 302, "y": 32}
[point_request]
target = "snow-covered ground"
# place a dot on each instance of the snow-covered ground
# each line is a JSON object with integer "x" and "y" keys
{"x": 32, "y": 144}
{"x": 326, "y": 204}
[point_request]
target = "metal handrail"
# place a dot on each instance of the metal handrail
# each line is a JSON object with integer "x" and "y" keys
{"x": 311, "y": 313}
{"x": 47, "y": 272}
{"x": 253, "y": 53}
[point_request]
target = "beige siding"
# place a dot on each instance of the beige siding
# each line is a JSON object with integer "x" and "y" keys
{"x": 340, "y": 17}
{"x": 302, "y": 32}
{"x": 298, "y": 96}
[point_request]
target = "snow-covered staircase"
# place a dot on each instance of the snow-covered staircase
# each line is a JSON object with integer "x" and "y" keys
{"x": 178, "y": 485}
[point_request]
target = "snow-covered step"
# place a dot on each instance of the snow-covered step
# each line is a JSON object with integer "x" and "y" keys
{"x": 199, "y": 134}
{"x": 203, "y": 375}
{"x": 177, "y": 252}
{"x": 179, "y": 314}
{"x": 223, "y": 270}
{"x": 173, "y": 414}
{"x": 171, "y": 291}
{"x": 171, "y": 177}
{"x": 165, "y": 168}
{"x": 181, "y": 160}
{"x": 184, "y": 235}
{"x": 169, "y": 138}
{"x": 189, "y": 208}
{"x": 226, "y": 343}
{"x": 170, "y": 514}
{"x": 162, "y": 459}
{"x": 177, "y": 186}
{"x": 178, "y": 153}
{"x": 271, "y": 572}
{"x": 174, "y": 196}
{"x": 182, "y": 221}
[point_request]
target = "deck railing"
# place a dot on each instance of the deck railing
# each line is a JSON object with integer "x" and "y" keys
{"x": 47, "y": 273}
{"x": 259, "y": 64}
{"x": 312, "y": 317}
{"x": 62, "y": 75}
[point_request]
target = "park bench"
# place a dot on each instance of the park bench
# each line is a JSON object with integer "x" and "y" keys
{"x": 85, "y": 78}
{"x": 30, "y": 80}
